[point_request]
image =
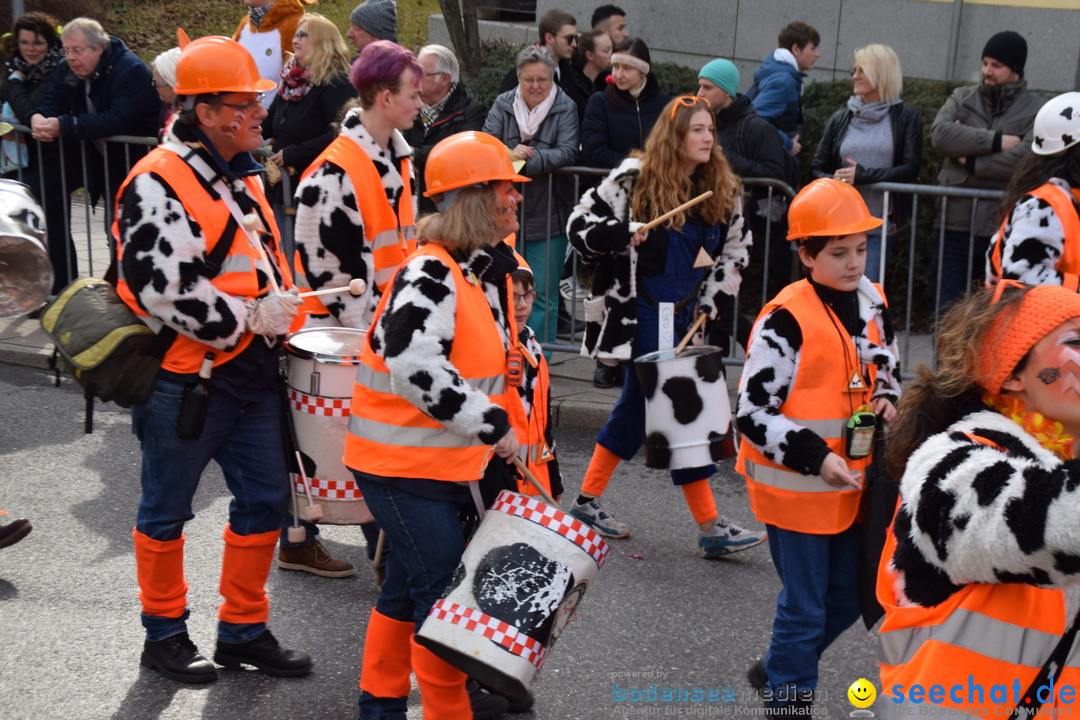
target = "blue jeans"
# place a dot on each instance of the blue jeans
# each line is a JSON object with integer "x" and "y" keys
{"x": 243, "y": 435}
{"x": 546, "y": 260}
{"x": 425, "y": 541}
{"x": 873, "y": 254}
{"x": 624, "y": 431}
{"x": 819, "y": 600}
{"x": 956, "y": 263}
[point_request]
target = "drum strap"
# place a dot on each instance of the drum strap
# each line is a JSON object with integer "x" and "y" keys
{"x": 474, "y": 490}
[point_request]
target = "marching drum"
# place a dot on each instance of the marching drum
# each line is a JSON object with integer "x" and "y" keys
{"x": 687, "y": 411}
{"x": 322, "y": 366}
{"x": 516, "y": 588}
{"x": 26, "y": 275}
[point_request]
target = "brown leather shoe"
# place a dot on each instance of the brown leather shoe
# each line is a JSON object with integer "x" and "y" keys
{"x": 314, "y": 559}
{"x": 14, "y": 531}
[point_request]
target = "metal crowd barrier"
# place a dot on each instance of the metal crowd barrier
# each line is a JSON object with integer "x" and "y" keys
{"x": 912, "y": 316}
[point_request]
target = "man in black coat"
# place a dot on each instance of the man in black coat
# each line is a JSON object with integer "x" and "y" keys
{"x": 100, "y": 89}
{"x": 448, "y": 108}
{"x": 754, "y": 150}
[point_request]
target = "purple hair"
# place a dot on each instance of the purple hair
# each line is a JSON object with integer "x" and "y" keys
{"x": 380, "y": 67}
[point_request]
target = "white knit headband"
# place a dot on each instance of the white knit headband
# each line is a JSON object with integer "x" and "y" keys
{"x": 627, "y": 59}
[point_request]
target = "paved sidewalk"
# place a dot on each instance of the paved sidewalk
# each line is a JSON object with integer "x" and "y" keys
{"x": 575, "y": 402}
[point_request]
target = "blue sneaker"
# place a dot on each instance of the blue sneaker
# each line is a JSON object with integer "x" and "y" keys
{"x": 599, "y": 519}
{"x": 725, "y": 537}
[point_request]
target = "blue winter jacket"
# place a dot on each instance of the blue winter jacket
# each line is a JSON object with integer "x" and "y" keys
{"x": 775, "y": 94}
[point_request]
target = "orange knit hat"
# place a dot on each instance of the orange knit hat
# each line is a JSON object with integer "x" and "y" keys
{"x": 1018, "y": 328}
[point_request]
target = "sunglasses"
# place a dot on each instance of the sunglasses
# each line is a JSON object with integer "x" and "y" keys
{"x": 688, "y": 101}
{"x": 248, "y": 106}
{"x": 570, "y": 39}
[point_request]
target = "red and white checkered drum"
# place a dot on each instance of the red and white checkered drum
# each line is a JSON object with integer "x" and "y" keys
{"x": 516, "y": 588}
{"x": 322, "y": 367}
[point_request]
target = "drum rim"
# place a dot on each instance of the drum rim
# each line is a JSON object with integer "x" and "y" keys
{"x": 328, "y": 359}
{"x": 693, "y": 351}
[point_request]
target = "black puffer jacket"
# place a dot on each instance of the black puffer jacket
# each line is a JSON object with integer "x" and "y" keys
{"x": 751, "y": 144}
{"x": 616, "y": 123}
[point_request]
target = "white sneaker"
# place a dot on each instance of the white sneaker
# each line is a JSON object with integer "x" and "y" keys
{"x": 599, "y": 519}
{"x": 725, "y": 537}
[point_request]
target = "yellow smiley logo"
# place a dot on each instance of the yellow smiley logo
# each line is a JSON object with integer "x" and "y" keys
{"x": 862, "y": 693}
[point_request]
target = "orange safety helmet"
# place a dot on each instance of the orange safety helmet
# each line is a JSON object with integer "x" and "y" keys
{"x": 216, "y": 64}
{"x": 468, "y": 158}
{"x": 828, "y": 208}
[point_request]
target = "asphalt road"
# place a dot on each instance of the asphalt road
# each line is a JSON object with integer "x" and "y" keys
{"x": 70, "y": 636}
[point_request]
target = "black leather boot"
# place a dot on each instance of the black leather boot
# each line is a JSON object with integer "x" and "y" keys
{"x": 266, "y": 654}
{"x": 177, "y": 658}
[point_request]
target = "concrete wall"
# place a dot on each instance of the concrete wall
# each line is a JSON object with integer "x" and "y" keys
{"x": 692, "y": 32}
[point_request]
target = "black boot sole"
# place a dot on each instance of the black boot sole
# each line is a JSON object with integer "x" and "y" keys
{"x": 191, "y": 678}
{"x": 233, "y": 663}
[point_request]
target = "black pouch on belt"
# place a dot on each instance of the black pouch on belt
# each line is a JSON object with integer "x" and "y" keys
{"x": 194, "y": 403}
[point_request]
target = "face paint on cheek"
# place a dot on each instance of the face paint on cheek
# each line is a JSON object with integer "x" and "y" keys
{"x": 1068, "y": 372}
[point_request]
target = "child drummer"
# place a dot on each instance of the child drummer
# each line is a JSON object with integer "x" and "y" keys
{"x": 821, "y": 370}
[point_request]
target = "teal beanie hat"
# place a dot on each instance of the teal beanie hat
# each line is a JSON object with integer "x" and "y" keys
{"x": 723, "y": 74}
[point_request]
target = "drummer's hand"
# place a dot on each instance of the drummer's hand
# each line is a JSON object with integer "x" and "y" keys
{"x": 835, "y": 472}
{"x": 884, "y": 409}
{"x": 638, "y": 238}
{"x": 507, "y": 447}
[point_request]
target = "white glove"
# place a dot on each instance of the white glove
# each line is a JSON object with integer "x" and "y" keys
{"x": 272, "y": 314}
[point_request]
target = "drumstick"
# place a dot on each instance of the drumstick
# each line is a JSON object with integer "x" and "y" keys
{"x": 266, "y": 258}
{"x": 356, "y": 286}
{"x": 672, "y": 213}
{"x": 312, "y": 512}
{"x": 535, "y": 483}
{"x": 690, "y": 333}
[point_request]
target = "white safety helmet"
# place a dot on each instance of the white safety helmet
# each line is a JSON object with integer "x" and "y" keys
{"x": 1057, "y": 126}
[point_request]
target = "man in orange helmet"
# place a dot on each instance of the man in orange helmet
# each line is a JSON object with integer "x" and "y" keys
{"x": 198, "y": 256}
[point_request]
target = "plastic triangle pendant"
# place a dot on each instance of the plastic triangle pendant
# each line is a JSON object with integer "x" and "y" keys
{"x": 543, "y": 453}
{"x": 855, "y": 382}
{"x": 702, "y": 260}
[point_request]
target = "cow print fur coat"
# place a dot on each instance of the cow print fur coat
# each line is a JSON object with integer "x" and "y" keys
{"x": 600, "y": 229}
{"x": 1034, "y": 241}
{"x": 772, "y": 362}
{"x": 975, "y": 513}
{"x": 329, "y": 228}
{"x": 414, "y": 335}
{"x": 164, "y": 257}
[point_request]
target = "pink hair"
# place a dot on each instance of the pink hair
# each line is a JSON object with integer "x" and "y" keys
{"x": 381, "y": 66}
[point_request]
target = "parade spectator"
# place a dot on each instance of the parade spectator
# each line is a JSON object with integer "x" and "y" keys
{"x": 612, "y": 20}
{"x": 778, "y": 81}
{"x": 539, "y": 123}
{"x": 99, "y": 89}
{"x": 1039, "y": 240}
{"x": 163, "y": 70}
{"x": 447, "y": 110}
{"x": 32, "y": 51}
{"x": 372, "y": 20}
{"x": 338, "y": 203}
{"x": 983, "y": 132}
{"x": 425, "y": 416}
{"x": 976, "y": 580}
{"x": 876, "y": 138}
{"x": 267, "y": 32}
{"x": 313, "y": 89}
{"x": 558, "y": 33}
{"x": 619, "y": 119}
{"x": 681, "y": 160}
{"x": 592, "y": 59}
{"x": 753, "y": 149}
{"x": 822, "y": 360}
{"x": 228, "y": 318}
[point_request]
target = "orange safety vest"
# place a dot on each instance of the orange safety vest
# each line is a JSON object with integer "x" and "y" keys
{"x": 238, "y": 275}
{"x": 392, "y": 237}
{"x": 535, "y": 451}
{"x": 818, "y": 401}
{"x": 1069, "y": 262}
{"x": 391, "y": 437}
{"x": 983, "y": 636}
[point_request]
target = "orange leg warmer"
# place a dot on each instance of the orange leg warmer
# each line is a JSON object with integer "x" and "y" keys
{"x": 159, "y": 567}
{"x": 386, "y": 665}
{"x": 601, "y": 467}
{"x": 700, "y": 500}
{"x": 442, "y": 686}
{"x": 245, "y": 565}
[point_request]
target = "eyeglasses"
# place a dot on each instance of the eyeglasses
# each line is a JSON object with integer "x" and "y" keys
{"x": 300, "y": 35}
{"x": 999, "y": 288}
{"x": 570, "y": 39}
{"x": 248, "y": 106}
{"x": 688, "y": 101}
{"x": 68, "y": 52}
{"x": 525, "y": 297}
{"x": 535, "y": 81}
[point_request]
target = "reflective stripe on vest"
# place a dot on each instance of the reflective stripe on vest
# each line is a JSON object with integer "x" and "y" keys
{"x": 1062, "y": 205}
{"x": 388, "y": 435}
{"x": 816, "y": 400}
{"x": 392, "y": 237}
{"x": 237, "y": 277}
